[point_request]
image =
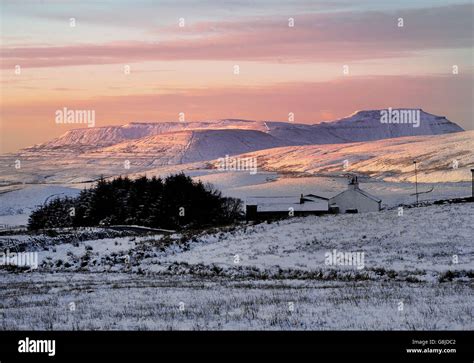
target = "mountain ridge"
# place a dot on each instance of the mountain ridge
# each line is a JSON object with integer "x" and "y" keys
{"x": 85, "y": 154}
{"x": 389, "y": 159}
{"x": 362, "y": 125}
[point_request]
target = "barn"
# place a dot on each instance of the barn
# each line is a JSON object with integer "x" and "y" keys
{"x": 260, "y": 208}
{"x": 354, "y": 200}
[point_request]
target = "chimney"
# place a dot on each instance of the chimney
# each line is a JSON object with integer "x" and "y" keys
{"x": 353, "y": 183}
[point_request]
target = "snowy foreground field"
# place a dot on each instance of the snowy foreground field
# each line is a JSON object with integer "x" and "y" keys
{"x": 105, "y": 301}
{"x": 416, "y": 273}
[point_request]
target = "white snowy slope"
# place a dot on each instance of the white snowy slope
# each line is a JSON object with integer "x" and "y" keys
{"x": 192, "y": 145}
{"x": 442, "y": 158}
{"x": 160, "y": 155}
{"x": 420, "y": 243}
{"x": 174, "y": 148}
{"x": 17, "y": 203}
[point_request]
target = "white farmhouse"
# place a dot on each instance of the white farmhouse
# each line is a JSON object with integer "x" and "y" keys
{"x": 354, "y": 200}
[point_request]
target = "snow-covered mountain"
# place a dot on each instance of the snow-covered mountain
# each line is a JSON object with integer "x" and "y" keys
{"x": 97, "y": 137}
{"x": 361, "y": 126}
{"x": 85, "y": 154}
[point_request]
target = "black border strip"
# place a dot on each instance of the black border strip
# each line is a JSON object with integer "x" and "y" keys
{"x": 312, "y": 346}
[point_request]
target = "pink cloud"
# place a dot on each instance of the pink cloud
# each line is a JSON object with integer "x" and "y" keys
{"x": 335, "y": 37}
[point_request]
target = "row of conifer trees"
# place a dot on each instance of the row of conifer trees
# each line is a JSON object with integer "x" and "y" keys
{"x": 175, "y": 202}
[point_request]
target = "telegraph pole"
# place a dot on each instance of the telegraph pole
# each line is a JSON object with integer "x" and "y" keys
{"x": 416, "y": 183}
{"x": 472, "y": 183}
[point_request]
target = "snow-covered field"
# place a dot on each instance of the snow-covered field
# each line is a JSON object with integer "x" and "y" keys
{"x": 124, "y": 302}
{"x": 18, "y": 201}
{"x": 418, "y": 246}
{"x": 264, "y": 276}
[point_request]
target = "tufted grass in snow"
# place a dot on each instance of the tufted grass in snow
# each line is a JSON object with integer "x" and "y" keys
{"x": 124, "y": 302}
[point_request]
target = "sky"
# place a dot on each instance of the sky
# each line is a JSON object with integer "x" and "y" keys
{"x": 262, "y": 60}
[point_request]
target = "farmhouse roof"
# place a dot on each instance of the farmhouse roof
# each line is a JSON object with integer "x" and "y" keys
{"x": 365, "y": 194}
{"x": 282, "y": 203}
{"x": 316, "y": 196}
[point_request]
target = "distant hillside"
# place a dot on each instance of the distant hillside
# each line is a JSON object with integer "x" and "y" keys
{"x": 85, "y": 154}
{"x": 361, "y": 126}
{"x": 97, "y": 137}
{"x": 391, "y": 159}
{"x": 191, "y": 145}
